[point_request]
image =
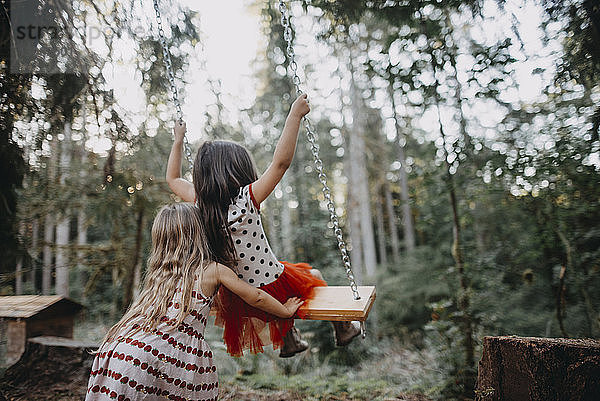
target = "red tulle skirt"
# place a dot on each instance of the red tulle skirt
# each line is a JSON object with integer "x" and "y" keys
{"x": 249, "y": 328}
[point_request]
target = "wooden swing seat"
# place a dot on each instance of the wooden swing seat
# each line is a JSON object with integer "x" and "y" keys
{"x": 337, "y": 303}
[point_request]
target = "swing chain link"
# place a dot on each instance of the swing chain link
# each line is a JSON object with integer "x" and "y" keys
{"x": 171, "y": 77}
{"x": 314, "y": 147}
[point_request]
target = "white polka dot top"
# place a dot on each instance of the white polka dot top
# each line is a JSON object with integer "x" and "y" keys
{"x": 257, "y": 263}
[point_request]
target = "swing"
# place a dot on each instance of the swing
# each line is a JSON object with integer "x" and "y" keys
{"x": 336, "y": 303}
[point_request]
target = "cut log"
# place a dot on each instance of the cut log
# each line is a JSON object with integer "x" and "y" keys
{"x": 539, "y": 369}
{"x": 51, "y": 368}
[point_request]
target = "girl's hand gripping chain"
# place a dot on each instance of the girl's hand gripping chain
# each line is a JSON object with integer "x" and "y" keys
{"x": 179, "y": 131}
{"x": 300, "y": 107}
{"x": 182, "y": 188}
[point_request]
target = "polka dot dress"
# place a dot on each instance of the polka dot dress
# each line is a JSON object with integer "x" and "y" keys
{"x": 257, "y": 264}
{"x": 169, "y": 363}
{"x": 246, "y": 327}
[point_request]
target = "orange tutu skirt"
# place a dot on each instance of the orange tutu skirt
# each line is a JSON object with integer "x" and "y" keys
{"x": 249, "y": 328}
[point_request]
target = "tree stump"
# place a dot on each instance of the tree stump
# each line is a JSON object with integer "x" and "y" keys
{"x": 539, "y": 369}
{"x": 51, "y": 368}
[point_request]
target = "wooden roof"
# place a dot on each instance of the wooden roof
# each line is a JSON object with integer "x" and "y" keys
{"x": 25, "y": 306}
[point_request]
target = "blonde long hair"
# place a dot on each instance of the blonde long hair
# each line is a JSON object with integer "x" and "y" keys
{"x": 179, "y": 249}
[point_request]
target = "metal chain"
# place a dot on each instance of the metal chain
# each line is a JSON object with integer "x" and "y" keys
{"x": 173, "y": 87}
{"x": 314, "y": 147}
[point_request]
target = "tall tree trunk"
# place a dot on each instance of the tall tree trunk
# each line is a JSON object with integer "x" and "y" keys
{"x": 62, "y": 227}
{"x": 81, "y": 243}
{"x": 299, "y": 194}
{"x": 19, "y": 276}
{"x": 129, "y": 281}
{"x": 120, "y": 266}
{"x": 479, "y": 230}
{"x": 35, "y": 253}
{"x": 81, "y": 278}
{"x": 353, "y": 216}
{"x": 560, "y": 295}
{"x": 360, "y": 178}
{"x": 463, "y": 301}
{"x": 62, "y": 255}
{"x": 114, "y": 305}
{"x": 393, "y": 228}
{"x": 381, "y": 236}
{"x": 47, "y": 260}
{"x": 19, "y": 266}
{"x": 49, "y": 222}
{"x": 407, "y": 219}
{"x": 137, "y": 273}
{"x": 352, "y": 210}
{"x": 287, "y": 240}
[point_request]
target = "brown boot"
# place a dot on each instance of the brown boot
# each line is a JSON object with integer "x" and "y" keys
{"x": 292, "y": 344}
{"x": 345, "y": 332}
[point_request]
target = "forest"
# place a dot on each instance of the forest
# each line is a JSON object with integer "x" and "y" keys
{"x": 461, "y": 144}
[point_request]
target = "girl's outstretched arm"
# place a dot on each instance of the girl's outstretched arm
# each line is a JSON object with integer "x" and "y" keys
{"x": 180, "y": 186}
{"x": 256, "y": 297}
{"x": 284, "y": 151}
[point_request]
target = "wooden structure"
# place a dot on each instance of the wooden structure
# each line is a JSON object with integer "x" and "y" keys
{"x": 539, "y": 369}
{"x": 338, "y": 304}
{"x": 26, "y": 316}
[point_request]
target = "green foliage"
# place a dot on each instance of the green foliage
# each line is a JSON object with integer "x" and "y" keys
{"x": 444, "y": 338}
{"x": 15, "y": 104}
{"x": 406, "y": 290}
{"x": 13, "y": 167}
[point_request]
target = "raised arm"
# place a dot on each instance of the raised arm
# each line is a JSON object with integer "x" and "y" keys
{"x": 256, "y": 297}
{"x": 284, "y": 151}
{"x": 180, "y": 186}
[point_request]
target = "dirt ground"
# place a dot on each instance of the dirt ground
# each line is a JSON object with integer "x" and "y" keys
{"x": 228, "y": 393}
{"x": 235, "y": 393}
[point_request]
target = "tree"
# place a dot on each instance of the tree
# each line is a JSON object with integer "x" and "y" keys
{"x": 14, "y": 104}
{"x": 581, "y": 19}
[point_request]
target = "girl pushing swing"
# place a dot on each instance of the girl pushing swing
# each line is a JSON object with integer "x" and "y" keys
{"x": 157, "y": 350}
{"x": 228, "y": 193}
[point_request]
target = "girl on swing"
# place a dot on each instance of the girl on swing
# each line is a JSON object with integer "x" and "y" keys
{"x": 228, "y": 193}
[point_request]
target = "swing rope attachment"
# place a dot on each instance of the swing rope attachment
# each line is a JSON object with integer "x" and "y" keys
{"x": 314, "y": 147}
{"x": 171, "y": 76}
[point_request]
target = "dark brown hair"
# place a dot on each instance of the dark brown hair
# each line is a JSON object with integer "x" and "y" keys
{"x": 221, "y": 168}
